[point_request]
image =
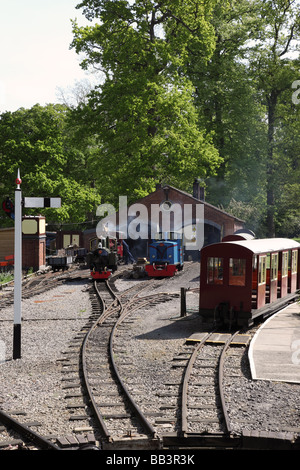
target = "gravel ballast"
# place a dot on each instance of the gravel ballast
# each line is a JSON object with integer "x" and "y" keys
{"x": 50, "y": 321}
{"x": 33, "y": 383}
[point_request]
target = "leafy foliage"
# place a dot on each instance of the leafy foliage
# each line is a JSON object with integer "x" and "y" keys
{"x": 187, "y": 89}
{"x": 38, "y": 142}
{"x": 144, "y": 113}
{"x": 244, "y": 95}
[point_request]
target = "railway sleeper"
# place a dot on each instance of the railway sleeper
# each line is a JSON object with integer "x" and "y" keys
{"x": 71, "y": 441}
{"x": 248, "y": 440}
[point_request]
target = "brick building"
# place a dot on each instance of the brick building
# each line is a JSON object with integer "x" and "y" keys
{"x": 33, "y": 243}
{"x": 217, "y": 223}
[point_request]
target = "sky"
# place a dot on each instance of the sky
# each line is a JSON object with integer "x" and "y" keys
{"x": 36, "y": 60}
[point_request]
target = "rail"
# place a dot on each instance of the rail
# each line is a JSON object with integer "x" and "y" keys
{"x": 184, "y": 423}
{"x": 108, "y": 313}
{"x": 26, "y": 433}
{"x": 221, "y": 390}
{"x": 92, "y": 401}
{"x": 220, "y": 367}
{"x": 134, "y": 407}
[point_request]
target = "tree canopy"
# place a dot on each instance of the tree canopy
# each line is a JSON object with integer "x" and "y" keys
{"x": 144, "y": 114}
{"x": 187, "y": 89}
{"x": 38, "y": 142}
{"x": 244, "y": 95}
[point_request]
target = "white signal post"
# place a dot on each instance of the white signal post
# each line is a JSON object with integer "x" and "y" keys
{"x": 18, "y": 271}
{"x": 28, "y": 202}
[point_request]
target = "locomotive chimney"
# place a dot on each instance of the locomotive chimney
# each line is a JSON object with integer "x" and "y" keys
{"x": 198, "y": 191}
{"x": 202, "y": 193}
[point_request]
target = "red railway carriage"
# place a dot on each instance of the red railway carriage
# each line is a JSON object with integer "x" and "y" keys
{"x": 242, "y": 234}
{"x": 240, "y": 280}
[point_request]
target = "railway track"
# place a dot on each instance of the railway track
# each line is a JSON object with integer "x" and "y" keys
{"x": 36, "y": 285}
{"x": 191, "y": 401}
{"x": 116, "y": 413}
{"x": 17, "y": 431}
{"x": 81, "y": 375}
{"x": 21, "y": 436}
{"x": 185, "y": 378}
{"x": 183, "y": 404}
{"x": 96, "y": 387}
{"x": 203, "y": 405}
{"x": 189, "y": 404}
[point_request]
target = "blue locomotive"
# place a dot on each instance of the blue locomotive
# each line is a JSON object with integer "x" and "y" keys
{"x": 165, "y": 255}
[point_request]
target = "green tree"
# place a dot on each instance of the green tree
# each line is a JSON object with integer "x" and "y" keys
{"x": 227, "y": 103}
{"x": 38, "y": 141}
{"x": 244, "y": 97}
{"x": 274, "y": 67}
{"x": 286, "y": 161}
{"x": 144, "y": 114}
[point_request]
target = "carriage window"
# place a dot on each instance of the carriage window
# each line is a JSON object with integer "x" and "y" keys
{"x": 262, "y": 270}
{"x": 285, "y": 263}
{"x": 274, "y": 267}
{"x": 294, "y": 261}
{"x": 237, "y": 272}
{"x": 215, "y": 271}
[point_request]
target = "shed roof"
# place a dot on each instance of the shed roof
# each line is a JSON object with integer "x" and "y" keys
{"x": 266, "y": 245}
{"x": 193, "y": 200}
{"x": 190, "y": 196}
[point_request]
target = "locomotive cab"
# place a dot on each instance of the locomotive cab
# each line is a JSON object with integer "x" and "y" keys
{"x": 104, "y": 260}
{"x": 165, "y": 255}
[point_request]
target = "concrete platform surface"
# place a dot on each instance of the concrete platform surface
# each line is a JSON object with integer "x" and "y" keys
{"x": 274, "y": 352}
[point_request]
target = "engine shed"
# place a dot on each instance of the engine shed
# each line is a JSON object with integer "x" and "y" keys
{"x": 216, "y": 222}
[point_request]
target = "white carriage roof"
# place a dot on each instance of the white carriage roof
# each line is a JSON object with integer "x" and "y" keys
{"x": 266, "y": 245}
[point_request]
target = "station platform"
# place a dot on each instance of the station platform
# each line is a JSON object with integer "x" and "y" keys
{"x": 274, "y": 352}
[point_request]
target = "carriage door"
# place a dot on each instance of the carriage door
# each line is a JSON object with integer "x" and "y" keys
{"x": 261, "y": 284}
{"x": 294, "y": 269}
{"x": 273, "y": 277}
{"x": 284, "y": 273}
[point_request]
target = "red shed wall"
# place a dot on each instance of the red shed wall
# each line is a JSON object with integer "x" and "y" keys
{"x": 227, "y": 223}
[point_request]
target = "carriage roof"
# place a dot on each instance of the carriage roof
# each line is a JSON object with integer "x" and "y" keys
{"x": 267, "y": 245}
